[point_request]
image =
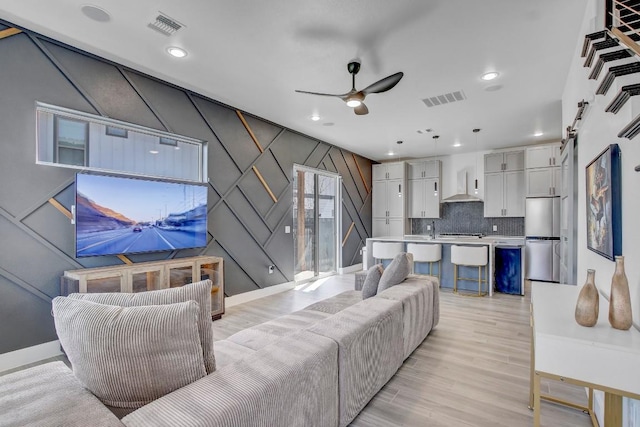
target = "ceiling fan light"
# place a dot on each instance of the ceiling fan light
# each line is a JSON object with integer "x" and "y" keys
{"x": 354, "y": 102}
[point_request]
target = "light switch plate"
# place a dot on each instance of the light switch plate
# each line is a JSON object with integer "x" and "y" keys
{"x": 495, "y": 228}
{"x": 287, "y": 229}
{"x": 428, "y": 228}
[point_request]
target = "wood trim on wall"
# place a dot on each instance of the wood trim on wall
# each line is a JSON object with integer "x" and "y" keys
{"x": 251, "y": 134}
{"x": 9, "y": 32}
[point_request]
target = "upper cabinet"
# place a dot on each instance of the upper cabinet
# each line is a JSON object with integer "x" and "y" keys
{"x": 426, "y": 169}
{"x": 388, "y": 171}
{"x": 505, "y": 161}
{"x": 543, "y": 156}
{"x": 504, "y": 184}
{"x": 543, "y": 177}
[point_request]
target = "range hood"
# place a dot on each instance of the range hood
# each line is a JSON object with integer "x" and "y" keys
{"x": 461, "y": 188}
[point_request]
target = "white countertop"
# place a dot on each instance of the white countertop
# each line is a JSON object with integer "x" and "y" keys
{"x": 487, "y": 240}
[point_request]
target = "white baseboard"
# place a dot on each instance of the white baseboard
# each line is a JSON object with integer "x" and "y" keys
{"x": 25, "y": 356}
{"x": 351, "y": 269}
{"x": 257, "y": 294}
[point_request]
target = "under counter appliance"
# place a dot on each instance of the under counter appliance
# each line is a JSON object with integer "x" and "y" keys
{"x": 542, "y": 238}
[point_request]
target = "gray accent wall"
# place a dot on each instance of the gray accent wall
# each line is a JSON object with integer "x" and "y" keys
{"x": 246, "y": 227}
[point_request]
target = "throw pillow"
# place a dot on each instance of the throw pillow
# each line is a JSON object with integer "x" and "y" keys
{"x": 199, "y": 292}
{"x": 370, "y": 285}
{"x": 130, "y": 356}
{"x": 395, "y": 273}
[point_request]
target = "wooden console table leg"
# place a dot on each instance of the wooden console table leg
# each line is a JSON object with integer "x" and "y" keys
{"x": 612, "y": 410}
{"x": 536, "y": 400}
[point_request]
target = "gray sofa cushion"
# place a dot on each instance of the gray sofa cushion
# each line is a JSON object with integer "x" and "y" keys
{"x": 130, "y": 356}
{"x": 228, "y": 353}
{"x": 336, "y": 303}
{"x": 291, "y": 382}
{"x": 199, "y": 292}
{"x": 369, "y": 337}
{"x": 49, "y": 395}
{"x": 417, "y": 296}
{"x": 370, "y": 285}
{"x": 395, "y": 272}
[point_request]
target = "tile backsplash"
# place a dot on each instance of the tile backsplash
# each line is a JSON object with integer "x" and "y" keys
{"x": 468, "y": 217}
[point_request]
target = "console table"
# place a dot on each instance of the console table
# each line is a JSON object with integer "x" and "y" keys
{"x": 147, "y": 276}
{"x": 600, "y": 357}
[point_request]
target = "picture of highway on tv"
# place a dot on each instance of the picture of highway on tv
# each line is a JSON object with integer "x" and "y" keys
{"x": 124, "y": 215}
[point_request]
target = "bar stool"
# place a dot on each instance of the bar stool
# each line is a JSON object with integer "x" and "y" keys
{"x": 386, "y": 250}
{"x": 474, "y": 256}
{"x": 427, "y": 253}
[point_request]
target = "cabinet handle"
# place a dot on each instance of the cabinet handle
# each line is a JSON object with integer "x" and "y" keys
{"x": 550, "y": 161}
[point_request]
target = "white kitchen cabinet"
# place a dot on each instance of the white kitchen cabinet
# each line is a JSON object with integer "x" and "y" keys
{"x": 504, "y": 161}
{"x": 422, "y": 200}
{"x": 385, "y": 171}
{"x": 425, "y": 169}
{"x": 389, "y": 199}
{"x": 542, "y": 182}
{"x": 504, "y": 194}
{"x": 543, "y": 156}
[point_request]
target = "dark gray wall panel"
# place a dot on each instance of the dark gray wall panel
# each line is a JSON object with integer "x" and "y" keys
{"x": 26, "y": 320}
{"x": 264, "y": 132}
{"x": 315, "y": 158}
{"x": 255, "y": 191}
{"x": 246, "y": 227}
{"x": 231, "y": 132}
{"x": 292, "y": 148}
{"x": 231, "y": 235}
{"x": 281, "y": 209}
{"x": 350, "y": 165}
{"x": 27, "y": 76}
{"x": 3, "y": 27}
{"x": 106, "y": 85}
{"x": 249, "y": 216}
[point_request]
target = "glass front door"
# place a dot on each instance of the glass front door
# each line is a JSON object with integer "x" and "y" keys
{"x": 315, "y": 225}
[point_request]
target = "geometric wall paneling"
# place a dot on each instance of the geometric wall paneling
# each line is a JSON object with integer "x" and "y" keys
{"x": 106, "y": 85}
{"x": 26, "y": 320}
{"x": 250, "y": 170}
{"x": 252, "y": 220}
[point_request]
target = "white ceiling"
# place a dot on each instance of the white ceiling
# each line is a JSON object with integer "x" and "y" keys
{"x": 252, "y": 55}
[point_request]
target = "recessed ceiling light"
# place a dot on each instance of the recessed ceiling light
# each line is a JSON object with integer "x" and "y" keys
{"x": 153, "y": 151}
{"x": 176, "y": 52}
{"x": 95, "y": 13}
{"x": 538, "y": 133}
{"x": 457, "y": 144}
{"x": 315, "y": 117}
{"x": 390, "y": 153}
{"x": 490, "y": 75}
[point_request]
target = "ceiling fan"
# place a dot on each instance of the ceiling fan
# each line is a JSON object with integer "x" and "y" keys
{"x": 354, "y": 98}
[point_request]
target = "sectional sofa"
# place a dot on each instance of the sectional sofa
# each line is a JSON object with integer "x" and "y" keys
{"x": 315, "y": 367}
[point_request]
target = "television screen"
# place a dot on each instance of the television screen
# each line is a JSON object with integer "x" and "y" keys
{"x": 125, "y": 215}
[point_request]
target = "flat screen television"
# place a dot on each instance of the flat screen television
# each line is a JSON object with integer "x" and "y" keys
{"x": 116, "y": 215}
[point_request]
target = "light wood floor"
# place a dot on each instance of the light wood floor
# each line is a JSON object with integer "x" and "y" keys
{"x": 472, "y": 370}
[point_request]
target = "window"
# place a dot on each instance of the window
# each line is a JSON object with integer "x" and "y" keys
{"x": 73, "y": 139}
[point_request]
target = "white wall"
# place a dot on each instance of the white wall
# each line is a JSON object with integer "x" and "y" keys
{"x": 597, "y": 130}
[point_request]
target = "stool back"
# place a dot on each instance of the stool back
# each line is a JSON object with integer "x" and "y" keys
{"x": 425, "y": 252}
{"x": 469, "y": 255}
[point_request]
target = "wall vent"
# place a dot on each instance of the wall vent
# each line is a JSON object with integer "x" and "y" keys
{"x": 447, "y": 98}
{"x": 165, "y": 25}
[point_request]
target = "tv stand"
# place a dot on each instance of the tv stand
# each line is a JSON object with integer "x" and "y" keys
{"x": 147, "y": 276}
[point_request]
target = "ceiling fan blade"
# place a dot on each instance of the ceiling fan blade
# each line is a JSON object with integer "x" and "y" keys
{"x": 384, "y": 84}
{"x": 361, "y": 110}
{"x": 323, "y": 94}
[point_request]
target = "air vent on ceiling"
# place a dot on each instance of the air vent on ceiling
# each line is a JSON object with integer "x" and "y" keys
{"x": 447, "y": 98}
{"x": 165, "y": 25}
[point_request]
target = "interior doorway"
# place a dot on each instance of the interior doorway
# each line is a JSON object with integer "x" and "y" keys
{"x": 316, "y": 223}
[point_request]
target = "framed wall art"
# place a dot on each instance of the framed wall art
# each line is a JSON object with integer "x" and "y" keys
{"x": 604, "y": 213}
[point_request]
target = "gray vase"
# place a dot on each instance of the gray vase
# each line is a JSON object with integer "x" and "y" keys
{"x": 619, "y": 300}
{"x": 588, "y": 304}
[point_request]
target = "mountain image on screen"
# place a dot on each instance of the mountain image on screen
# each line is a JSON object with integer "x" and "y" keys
{"x": 122, "y": 215}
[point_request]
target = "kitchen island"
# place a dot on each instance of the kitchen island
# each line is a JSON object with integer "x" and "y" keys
{"x": 446, "y": 276}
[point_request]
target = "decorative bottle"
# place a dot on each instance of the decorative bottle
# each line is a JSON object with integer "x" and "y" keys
{"x": 588, "y": 305}
{"x": 619, "y": 299}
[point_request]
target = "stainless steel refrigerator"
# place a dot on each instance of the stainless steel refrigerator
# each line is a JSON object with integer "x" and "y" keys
{"x": 542, "y": 233}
